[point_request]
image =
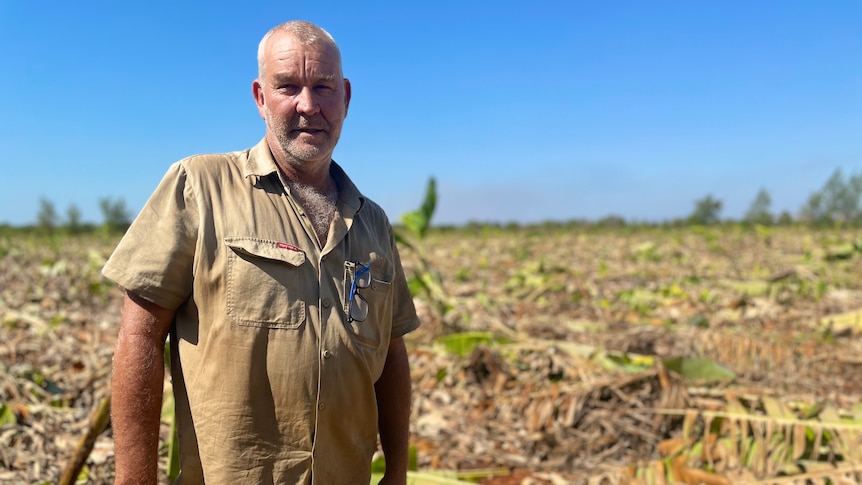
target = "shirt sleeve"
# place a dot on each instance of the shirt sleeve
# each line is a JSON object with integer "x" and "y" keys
{"x": 404, "y": 318}
{"x": 155, "y": 258}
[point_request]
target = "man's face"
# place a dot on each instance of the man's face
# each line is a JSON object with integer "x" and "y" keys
{"x": 303, "y": 97}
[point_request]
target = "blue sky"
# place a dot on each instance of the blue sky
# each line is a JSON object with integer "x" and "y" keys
{"x": 522, "y": 111}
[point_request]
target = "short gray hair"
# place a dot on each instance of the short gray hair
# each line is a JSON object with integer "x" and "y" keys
{"x": 305, "y": 32}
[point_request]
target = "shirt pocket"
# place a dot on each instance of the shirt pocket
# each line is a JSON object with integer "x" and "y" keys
{"x": 371, "y": 332}
{"x": 264, "y": 283}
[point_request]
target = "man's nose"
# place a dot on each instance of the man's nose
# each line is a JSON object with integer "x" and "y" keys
{"x": 306, "y": 102}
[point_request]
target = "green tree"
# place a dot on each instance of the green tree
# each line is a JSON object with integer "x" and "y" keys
{"x": 814, "y": 211}
{"x": 706, "y": 211}
{"x": 115, "y": 215}
{"x": 758, "y": 212}
{"x": 837, "y": 201}
{"x": 73, "y": 219}
{"x": 46, "y": 219}
{"x": 785, "y": 219}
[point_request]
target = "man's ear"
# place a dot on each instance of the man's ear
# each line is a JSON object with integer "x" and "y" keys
{"x": 259, "y": 100}
{"x": 346, "y": 94}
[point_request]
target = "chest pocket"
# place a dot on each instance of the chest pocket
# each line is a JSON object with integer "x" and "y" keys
{"x": 378, "y": 297}
{"x": 265, "y": 284}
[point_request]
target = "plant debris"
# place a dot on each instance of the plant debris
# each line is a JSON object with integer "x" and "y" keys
{"x": 559, "y": 376}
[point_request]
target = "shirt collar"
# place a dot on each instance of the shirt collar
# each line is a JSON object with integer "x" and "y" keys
{"x": 347, "y": 191}
{"x": 261, "y": 163}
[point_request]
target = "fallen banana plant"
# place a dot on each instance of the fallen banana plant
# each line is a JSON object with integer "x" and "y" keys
{"x": 749, "y": 440}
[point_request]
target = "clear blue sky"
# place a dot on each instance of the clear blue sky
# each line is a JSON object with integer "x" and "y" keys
{"x": 523, "y": 111}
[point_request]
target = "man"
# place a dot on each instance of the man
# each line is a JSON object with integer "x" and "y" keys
{"x": 283, "y": 293}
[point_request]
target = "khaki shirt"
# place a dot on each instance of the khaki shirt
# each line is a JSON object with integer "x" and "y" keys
{"x": 272, "y": 384}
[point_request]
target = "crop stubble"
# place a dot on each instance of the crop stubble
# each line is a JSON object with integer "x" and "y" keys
{"x": 558, "y": 390}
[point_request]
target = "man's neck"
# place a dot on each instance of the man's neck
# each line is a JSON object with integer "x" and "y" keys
{"x": 312, "y": 173}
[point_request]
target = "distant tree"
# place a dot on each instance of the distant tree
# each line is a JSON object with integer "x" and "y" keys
{"x": 785, "y": 219}
{"x": 837, "y": 201}
{"x": 706, "y": 211}
{"x": 512, "y": 226}
{"x": 814, "y": 210}
{"x": 46, "y": 219}
{"x": 758, "y": 212}
{"x": 611, "y": 221}
{"x": 848, "y": 204}
{"x": 115, "y": 215}
{"x": 73, "y": 219}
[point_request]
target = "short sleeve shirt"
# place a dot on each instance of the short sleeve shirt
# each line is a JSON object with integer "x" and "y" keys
{"x": 273, "y": 384}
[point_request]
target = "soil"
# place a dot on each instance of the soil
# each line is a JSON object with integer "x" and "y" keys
{"x": 563, "y": 378}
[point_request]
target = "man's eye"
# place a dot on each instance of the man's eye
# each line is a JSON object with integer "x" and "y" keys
{"x": 289, "y": 88}
{"x": 324, "y": 90}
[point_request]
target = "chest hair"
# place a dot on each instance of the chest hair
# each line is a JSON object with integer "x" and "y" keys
{"x": 318, "y": 206}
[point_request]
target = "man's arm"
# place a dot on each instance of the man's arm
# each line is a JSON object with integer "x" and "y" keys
{"x": 393, "y": 410}
{"x": 136, "y": 395}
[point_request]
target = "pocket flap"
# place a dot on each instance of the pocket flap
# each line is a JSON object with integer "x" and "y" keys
{"x": 262, "y": 248}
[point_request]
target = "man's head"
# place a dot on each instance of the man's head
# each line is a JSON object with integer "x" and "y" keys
{"x": 302, "y": 95}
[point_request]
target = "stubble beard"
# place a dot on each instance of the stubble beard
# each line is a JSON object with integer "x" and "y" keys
{"x": 298, "y": 153}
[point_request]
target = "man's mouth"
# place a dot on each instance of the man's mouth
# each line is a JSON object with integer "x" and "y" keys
{"x": 310, "y": 131}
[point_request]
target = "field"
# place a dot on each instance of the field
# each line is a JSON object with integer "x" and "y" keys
{"x": 552, "y": 354}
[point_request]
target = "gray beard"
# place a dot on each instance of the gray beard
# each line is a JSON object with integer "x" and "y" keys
{"x": 297, "y": 156}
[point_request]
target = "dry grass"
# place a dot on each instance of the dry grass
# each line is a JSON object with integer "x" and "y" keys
{"x": 571, "y": 385}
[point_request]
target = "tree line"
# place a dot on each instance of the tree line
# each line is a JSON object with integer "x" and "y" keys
{"x": 837, "y": 202}
{"x": 115, "y": 218}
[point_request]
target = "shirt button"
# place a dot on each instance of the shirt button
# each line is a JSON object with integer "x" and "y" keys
{"x": 325, "y": 303}
{"x": 321, "y": 405}
{"x": 327, "y": 354}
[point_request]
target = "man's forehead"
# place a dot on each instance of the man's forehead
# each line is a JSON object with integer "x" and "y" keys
{"x": 284, "y": 43}
{"x": 317, "y": 56}
{"x": 293, "y": 74}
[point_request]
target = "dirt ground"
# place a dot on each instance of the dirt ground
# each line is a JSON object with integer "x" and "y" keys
{"x": 564, "y": 374}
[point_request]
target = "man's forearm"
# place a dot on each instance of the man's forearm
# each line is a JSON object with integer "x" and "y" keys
{"x": 136, "y": 390}
{"x": 393, "y": 408}
{"x": 136, "y": 401}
